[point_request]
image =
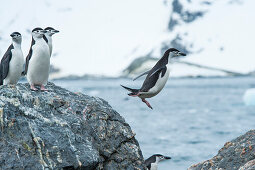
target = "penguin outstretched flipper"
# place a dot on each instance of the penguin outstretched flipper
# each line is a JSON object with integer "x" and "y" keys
{"x": 147, "y": 72}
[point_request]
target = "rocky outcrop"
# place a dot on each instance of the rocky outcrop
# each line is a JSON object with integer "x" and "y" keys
{"x": 238, "y": 154}
{"x": 63, "y": 130}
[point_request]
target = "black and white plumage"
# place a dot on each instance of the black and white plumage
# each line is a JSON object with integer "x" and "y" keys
{"x": 48, "y": 36}
{"x": 12, "y": 62}
{"x": 152, "y": 162}
{"x": 156, "y": 77}
{"x": 38, "y": 60}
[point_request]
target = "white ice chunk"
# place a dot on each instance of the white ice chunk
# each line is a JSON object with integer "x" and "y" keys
{"x": 249, "y": 97}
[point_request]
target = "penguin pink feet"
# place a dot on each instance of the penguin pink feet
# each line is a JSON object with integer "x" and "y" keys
{"x": 43, "y": 88}
{"x": 147, "y": 103}
{"x": 134, "y": 95}
{"x": 32, "y": 87}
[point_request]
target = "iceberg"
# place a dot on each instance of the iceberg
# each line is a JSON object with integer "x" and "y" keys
{"x": 249, "y": 97}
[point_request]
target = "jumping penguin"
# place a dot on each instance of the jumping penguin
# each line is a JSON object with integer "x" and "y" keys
{"x": 12, "y": 62}
{"x": 156, "y": 77}
{"x": 37, "y": 66}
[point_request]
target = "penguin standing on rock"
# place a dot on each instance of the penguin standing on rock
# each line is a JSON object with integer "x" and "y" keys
{"x": 152, "y": 162}
{"x": 156, "y": 77}
{"x": 37, "y": 66}
{"x": 48, "y": 36}
{"x": 12, "y": 62}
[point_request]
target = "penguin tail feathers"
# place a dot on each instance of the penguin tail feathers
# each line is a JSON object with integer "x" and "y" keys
{"x": 134, "y": 91}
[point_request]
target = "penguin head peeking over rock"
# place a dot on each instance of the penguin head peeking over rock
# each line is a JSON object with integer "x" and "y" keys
{"x": 152, "y": 162}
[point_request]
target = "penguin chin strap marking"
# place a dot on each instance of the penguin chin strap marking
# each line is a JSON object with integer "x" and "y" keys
{"x": 147, "y": 103}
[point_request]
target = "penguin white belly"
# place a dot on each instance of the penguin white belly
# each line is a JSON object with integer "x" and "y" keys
{"x": 158, "y": 86}
{"x": 154, "y": 166}
{"x": 39, "y": 65}
{"x": 50, "y": 45}
{"x": 15, "y": 67}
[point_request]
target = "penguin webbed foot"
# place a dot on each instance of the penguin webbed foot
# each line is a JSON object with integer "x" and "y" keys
{"x": 147, "y": 103}
{"x": 12, "y": 85}
{"x": 32, "y": 87}
{"x": 134, "y": 94}
{"x": 42, "y": 88}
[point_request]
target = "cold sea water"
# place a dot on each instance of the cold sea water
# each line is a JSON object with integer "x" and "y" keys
{"x": 191, "y": 120}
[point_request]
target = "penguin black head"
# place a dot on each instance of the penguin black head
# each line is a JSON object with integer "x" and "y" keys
{"x": 155, "y": 159}
{"x": 51, "y": 31}
{"x": 159, "y": 157}
{"x": 16, "y": 36}
{"x": 38, "y": 32}
{"x": 173, "y": 52}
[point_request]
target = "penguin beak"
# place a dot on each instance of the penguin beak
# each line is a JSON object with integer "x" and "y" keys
{"x": 167, "y": 157}
{"x": 12, "y": 35}
{"x": 182, "y": 54}
{"x": 43, "y": 31}
{"x": 179, "y": 55}
{"x": 56, "y": 31}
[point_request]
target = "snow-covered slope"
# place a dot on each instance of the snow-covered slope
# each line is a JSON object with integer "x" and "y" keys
{"x": 96, "y": 37}
{"x": 104, "y": 36}
{"x": 225, "y": 36}
{"x": 216, "y": 33}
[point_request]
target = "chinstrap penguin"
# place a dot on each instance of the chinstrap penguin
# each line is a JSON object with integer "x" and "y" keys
{"x": 156, "y": 77}
{"x": 48, "y": 36}
{"x": 152, "y": 162}
{"x": 12, "y": 62}
{"x": 38, "y": 61}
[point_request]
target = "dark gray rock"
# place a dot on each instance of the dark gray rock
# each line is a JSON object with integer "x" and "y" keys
{"x": 236, "y": 154}
{"x": 60, "y": 129}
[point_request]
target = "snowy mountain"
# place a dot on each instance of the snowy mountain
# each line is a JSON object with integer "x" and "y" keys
{"x": 215, "y": 34}
{"x": 103, "y": 37}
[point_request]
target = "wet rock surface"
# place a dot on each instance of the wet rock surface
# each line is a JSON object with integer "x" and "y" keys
{"x": 60, "y": 129}
{"x": 238, "y": 154}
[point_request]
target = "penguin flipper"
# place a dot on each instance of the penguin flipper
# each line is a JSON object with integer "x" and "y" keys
{"x": 158, "y": 70}
{"x": 28, "y": 58}
{"x": 4, "y": 66}
{"x": 147, "y": 72}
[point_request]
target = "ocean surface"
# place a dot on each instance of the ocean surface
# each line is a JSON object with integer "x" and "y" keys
{"x": 191, "y": 120}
